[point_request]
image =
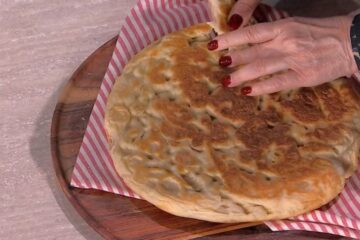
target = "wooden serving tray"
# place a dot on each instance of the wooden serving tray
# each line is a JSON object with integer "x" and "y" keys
{"x": 114, "y": 216}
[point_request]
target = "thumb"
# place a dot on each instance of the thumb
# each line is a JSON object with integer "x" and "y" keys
{"x": 241, "y": 13}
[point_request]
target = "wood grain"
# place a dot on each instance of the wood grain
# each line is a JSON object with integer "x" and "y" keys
{"x": 111, "y": 215}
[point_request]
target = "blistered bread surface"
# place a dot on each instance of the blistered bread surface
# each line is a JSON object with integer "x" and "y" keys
{"x": 195, "y": 149}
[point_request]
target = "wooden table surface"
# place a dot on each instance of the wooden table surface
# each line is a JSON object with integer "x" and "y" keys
{"x": 41, "y": 43}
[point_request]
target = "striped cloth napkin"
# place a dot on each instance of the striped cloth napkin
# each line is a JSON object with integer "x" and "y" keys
{"x": 147, "y": 21}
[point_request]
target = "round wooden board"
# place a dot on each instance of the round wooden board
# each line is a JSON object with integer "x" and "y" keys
{"x": 114, "y": 216}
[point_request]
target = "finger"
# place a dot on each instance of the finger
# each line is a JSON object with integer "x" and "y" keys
{"x": 259, "y": 33}
{"x": 248, "y": 55}
{"x": 257, "y": 69}
{"x": 241, "y": 13}
{"x": 284, "y": 81}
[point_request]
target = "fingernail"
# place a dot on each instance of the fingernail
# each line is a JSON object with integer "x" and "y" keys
{"x": 226, "y": 81}
{"x": 225, "y": 61}
{"x": 246, "y": 90}
{"x": 212, "y": 45}
{"x": 235, "y": 21}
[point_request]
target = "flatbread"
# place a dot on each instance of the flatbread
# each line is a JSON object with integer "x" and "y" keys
{"x": 195, "y": 149}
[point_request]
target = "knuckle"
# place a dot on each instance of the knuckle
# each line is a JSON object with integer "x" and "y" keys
{"x": 260, "y": 66}
{"x": 251, "y": 33}
{"x": 224, "y": 41}
{"x": 295, "y": 38}
{"x": 283, "y": 81}
{"x": 266, "y": 87}
{"x": 279, "y": 83}
{"x": 295, "y": 44}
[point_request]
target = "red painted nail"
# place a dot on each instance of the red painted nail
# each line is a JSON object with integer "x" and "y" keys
{"x": 235, "y": 21}
{"x": 226, "y": 81}
{"x": 246, "y": 90}
{"x": 212, "y": 45}
{"x": 225, "y": 61}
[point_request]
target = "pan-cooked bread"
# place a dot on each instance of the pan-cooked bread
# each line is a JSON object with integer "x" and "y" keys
{"x": 195, "y": 149}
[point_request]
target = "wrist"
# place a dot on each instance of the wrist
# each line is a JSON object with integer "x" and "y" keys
{"x": 355, "y": 38}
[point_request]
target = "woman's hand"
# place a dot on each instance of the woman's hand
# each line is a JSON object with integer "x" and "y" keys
{"x": 241, "y": 13}
{"x": 303, "y": 52}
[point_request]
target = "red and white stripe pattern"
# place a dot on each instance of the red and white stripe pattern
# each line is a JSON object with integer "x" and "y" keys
{"x": 341, "y": 216}
{"x": 147, "y": 21}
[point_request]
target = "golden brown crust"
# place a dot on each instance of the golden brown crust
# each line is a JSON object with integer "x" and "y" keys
{"x": 195, "y": 149}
